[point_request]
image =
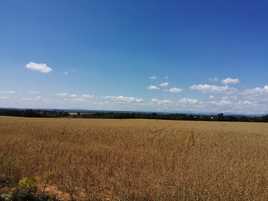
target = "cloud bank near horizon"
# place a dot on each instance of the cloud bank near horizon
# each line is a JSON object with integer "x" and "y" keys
{"x": 222, "y": 96}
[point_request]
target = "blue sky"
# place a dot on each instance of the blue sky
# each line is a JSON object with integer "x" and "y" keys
{"x": 197, "y": 56}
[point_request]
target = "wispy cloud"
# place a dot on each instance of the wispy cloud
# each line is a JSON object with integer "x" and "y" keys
{"x": 208, "y": 88}
{"x": 231, "y": 81}
{"x": 8, "y": 92}
{"x": 175, "y": 90}
{"x": 163, "y": 84}
{"x": 188, "y": 101}
{"x": 153, "y": 77}
{"x": 88, "y": 96}
{"x": 36, "y": 98}
{"x": 220, "y": 97}
{"x": 39, "y": 67}
{"x": 63, "y": 94}
{"x": 256, "y": 91}
{"x": 161, "y": 101}
{"x": 75, "y": 97}
{"x": 4, "y": 97}
{"x": 124, "y": 99}
{"x": 153, "y": 87}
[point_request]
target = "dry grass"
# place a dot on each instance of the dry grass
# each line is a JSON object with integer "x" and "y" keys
{"x": 139, "y": 160}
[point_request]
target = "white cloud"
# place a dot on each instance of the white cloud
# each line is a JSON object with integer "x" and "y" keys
{"x": 66, "y": 73}
{"x": 190, "y": 101}
{"x": 211, "y": 97}
{"x": 153, "y": 77}
{"x": 265, "y": 88}
{"x": 163, "y": 84}
{"x": 73, "y": 95}
{"x": 3, "y": 97}
{"x": 80, "y": 99}
{"x": 88, "y": 96}
{"x": 153, "y": 87}
{"x": 161, "y": 102}
{"x": 40, "y": 67}
{"x": 124, "y": 99}
{"x": 37, "y": 98}
{"x": 175, "y": 90}
{"x": 207, "y": 88}
{"x": 221, "y": 102}
{"x": 176, "y": 104}
{"x": 63, "y": 94}
{"x": 245, "y": 102}
{"x": 258, "y": 96}
{"x": 231, "y": 81}
{"x": 8, "y": 92}
{"x": 239, "y": 102}
{"x": 257, "y": 90}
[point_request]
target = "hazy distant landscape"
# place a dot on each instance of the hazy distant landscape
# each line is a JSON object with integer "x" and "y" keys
{"x": 98, "y": 114}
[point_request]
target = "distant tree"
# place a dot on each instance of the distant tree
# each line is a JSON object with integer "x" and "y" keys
{"x": 220, "y": 117}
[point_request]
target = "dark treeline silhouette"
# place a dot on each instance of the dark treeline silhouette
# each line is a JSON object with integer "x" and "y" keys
{"x": 130, "y": 115}
{"x": 33, "y": 113}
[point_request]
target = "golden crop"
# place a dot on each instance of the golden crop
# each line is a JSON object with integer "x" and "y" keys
{"x": 139, "y": 160}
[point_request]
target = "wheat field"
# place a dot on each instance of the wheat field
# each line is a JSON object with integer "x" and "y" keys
{"x": 138, "y": 160}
